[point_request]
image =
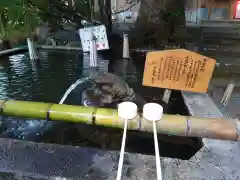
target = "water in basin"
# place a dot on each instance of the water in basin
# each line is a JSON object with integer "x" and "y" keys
{"x": 47, "y": 81}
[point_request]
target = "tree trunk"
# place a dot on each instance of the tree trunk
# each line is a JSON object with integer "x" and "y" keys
{"x": 160, "y": 23}
{"x": 106, "y": 16}
{"x": 70, "y": 4}
{"x": 6, "y": 44}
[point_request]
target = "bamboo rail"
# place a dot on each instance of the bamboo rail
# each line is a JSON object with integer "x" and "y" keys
{"x": 170, "y": 124}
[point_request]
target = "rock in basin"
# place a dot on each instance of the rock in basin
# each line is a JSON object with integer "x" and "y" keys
{"x": 108, "y": 90}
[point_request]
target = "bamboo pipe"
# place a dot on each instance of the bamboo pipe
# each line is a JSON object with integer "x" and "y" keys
{"x": 170, "y": 124}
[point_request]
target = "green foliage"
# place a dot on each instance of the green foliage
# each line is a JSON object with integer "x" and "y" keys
{"x": 16, "y": 15}
{"x": 25, "y": 15}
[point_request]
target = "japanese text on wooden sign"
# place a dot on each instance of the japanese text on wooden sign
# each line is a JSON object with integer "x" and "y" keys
{"x": 178, "y": 69}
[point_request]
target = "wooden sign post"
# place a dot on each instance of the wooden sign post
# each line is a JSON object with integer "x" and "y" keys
{"x": 178, "y": 69}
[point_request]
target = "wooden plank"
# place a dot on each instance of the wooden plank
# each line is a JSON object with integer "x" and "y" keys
{"x": 178, "y": 69}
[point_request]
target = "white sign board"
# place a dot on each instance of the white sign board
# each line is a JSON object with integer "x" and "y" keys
{"x": 99, "y": 33}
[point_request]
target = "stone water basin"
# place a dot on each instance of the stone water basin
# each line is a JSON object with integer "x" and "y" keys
{"x": 48, "y": 79}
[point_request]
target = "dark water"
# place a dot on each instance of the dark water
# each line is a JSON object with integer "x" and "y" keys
{"x": 23, "y": 80}
{"x": 48, "y": 79}
{"x": 44, "y": 81}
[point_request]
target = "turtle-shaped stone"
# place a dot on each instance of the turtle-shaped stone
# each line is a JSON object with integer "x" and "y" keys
{"x": 108, "y": 90}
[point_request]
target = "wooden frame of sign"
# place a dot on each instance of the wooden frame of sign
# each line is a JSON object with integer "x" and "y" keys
{"x": 178, "y": 69}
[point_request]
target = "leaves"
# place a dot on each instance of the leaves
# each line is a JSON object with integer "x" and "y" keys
{"x": 16, "y": 15}
{"x": 27, "y": 14}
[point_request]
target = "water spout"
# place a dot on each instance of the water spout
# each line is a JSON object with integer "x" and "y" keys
{"x": 105, "y": 90}
{"x": 72, "y": 87}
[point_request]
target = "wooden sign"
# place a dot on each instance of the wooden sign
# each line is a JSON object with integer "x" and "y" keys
{"x": 178, "y": 69}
